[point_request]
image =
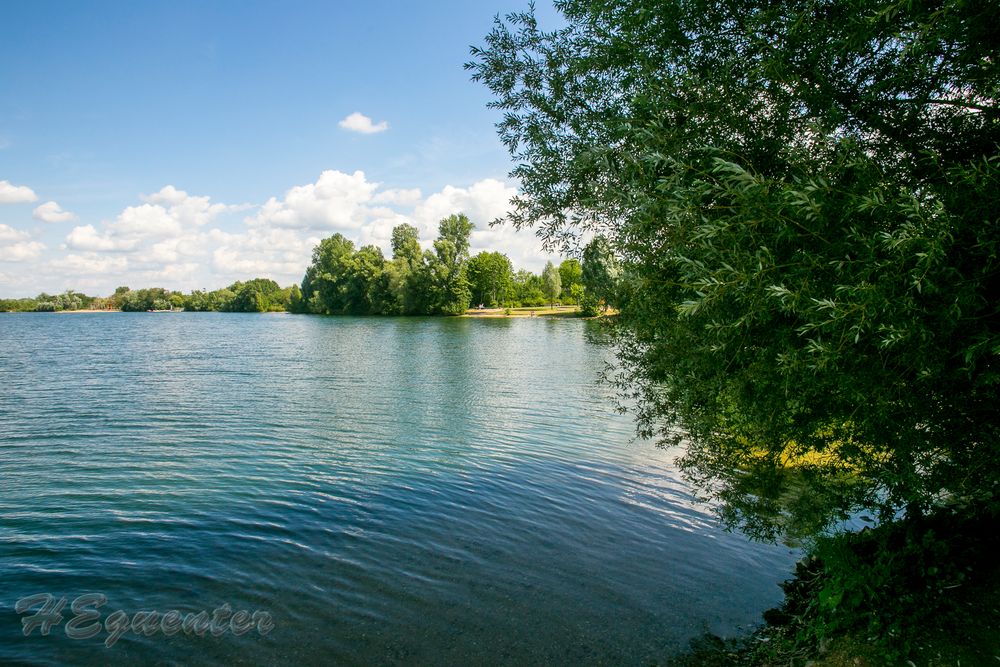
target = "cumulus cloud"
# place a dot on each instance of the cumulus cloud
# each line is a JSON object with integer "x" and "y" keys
{"x": 359, "y": 209}
{"x": 399, "y": 197}
{"x": 52, "y": 212}
{"x": 16, "y": 194}
{"x": 166, "y": 216}
{"x": 282, "y": 254}
{"x": 86, "y": 237}
{"x": 336, "y": 201}
{"x": 358, "y": 122}
{"x": 8, "y": 233}
{"x": 19, "y": 252}
{"x": 173, "y": 239}
{"x": 145, "y": 221}
{"x": 188, "y": 210}
{"x": 483, "y": 202}
{"x": 15, "y": 246}
{"x": 90, "y": 263}
{"x": 166, "y": 213}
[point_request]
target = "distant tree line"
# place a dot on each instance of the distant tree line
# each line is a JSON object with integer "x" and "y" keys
{"x": 260, "y": 295}
{"x": 48, "y": 303}
{"x": 343, "y": 280}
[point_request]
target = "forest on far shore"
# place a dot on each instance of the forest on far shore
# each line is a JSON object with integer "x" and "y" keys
{"x": 342, "y": 280}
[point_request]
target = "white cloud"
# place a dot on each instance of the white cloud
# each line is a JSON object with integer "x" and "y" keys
{"x": 8, "y": 233}
{"x": 15, "y": 246}
{"x": 90, "y": 263}
{"x": 399, "y": 197}
{"x": 281, "y": 254}
{"x": 173, "y": 239}
{"x": 335, "y": 201}
{"x": 350, "y": 205}
{"x": 186, "y": 209}
{"x": 483, "y": 202}
{"x": 19, "y": 252}
{"x": 86, "y": 237}
{"x": 358, "y": 122}
{"x": 52, "y": 212}
{"x": 167, "y": 214}
{"x": 178, "y": 276}
{"x": 145, "y": 221}
{"x": 16, "y": 194}
{"x": 168, "y": 194}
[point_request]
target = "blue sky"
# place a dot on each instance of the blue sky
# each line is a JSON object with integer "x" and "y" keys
{"x": 189, "y": 144}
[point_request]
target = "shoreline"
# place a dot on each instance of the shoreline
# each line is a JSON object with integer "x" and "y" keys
{"x": 89, "y": 310}
{"x": 540, "y": 311}
{"x": 562, "y": 312}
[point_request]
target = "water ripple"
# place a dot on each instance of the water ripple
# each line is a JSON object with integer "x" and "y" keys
{"x": 408, "y": 491}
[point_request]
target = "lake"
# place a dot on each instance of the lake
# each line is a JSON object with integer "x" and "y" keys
{"x": 382, "y": 491}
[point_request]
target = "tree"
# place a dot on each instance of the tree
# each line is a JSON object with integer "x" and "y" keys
{"x": 153, "y": 298}
{"x": 371, "y": 282}
{"x": 600, "y": 274}
{"x": 119, "y": 296}
{"x": 450, "y": 282}
{"x": 570, "y": 275}
{"x": 259, "y": 295}
{"x": 551, "y": 283}
{"x": 803, "y": 199}
{"x": 406, "y": 244}
{"x": 326, "y": 285}
{"x": 527, "y": 289}
{"x": 490, "y": 278}
{"x": 295, "y": 301}
{"x": 408, "y": 278}
{"x": 457, "y": 228}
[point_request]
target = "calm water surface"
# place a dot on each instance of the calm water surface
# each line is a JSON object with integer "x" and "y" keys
{"x": 391, "y": 491}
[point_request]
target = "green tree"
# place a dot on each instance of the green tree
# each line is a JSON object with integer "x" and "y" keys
{"x": 450, "y": 281}
{"x": 458, "y": 230}
{"x": 406, "y": 244}
{"x": 803, "y": 197}
{"x": 600, "y": 275}
{"x": 490, "y": 278}
{"x": 259, "y": 295}
{"x": 119, "y": 296}
{"x": 527, "y": 289}
{"x": 326, "y": 287}
{"x": 551, "y": 283}
{"x": 295, "y": 301}
{"x": 371, "y": 280}
{"x": 409, "y": 277}
{"x": 153, "y": 298}
{"x": 570, "y": 275}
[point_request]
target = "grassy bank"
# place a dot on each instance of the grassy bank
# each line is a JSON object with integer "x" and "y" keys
{"x": 557, "y": 311}
{"x": 922, "y": 592}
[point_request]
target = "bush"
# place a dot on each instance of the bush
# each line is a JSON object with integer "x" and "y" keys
{"x": 895, "y": 585}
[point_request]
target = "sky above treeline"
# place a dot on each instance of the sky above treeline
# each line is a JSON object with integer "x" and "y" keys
{"x": 190, "y": 144}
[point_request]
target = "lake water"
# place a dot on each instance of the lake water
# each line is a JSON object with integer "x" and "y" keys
{"x": 388, "y": 491}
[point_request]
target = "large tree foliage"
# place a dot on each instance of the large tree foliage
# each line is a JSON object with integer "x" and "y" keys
{"x": 551, "y": 282}
{"x": 600, "y": 274}
{"x": 451, "y": 253}
{"x": 491, "y": 277}
{"x": 804, "y": 197}
{"x": 344, "y": 281}
{"x": 571, "y": 276}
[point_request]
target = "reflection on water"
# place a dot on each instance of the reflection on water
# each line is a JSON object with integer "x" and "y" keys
{"x": 436, "y": 491}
